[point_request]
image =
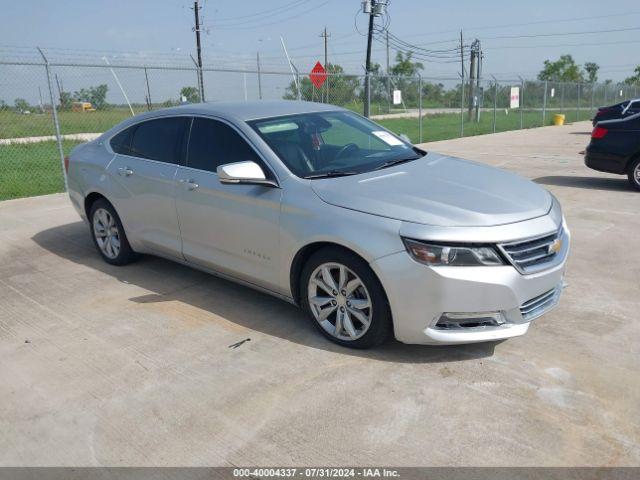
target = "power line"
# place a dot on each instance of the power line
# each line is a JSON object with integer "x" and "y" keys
{"x": 261, "y": 13}
{"x": 395, "y": 39}
{"x": 525, "y": 24}
{"x": 428, "y": 59}
{"x": 508, "y": 47}
{"x": 536, "y": 35}
{"x": 259, "y": 25}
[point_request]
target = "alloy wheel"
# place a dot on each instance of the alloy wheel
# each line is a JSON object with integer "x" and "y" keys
{"x": 106, "y": 233}
{"x": 636, "y": 174}
{"x": 339, "y": 301}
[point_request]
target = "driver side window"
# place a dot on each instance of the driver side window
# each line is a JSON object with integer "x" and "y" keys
{"x": 213, "y": 143}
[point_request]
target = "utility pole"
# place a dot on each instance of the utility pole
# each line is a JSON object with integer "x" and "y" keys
{"x": 462, "y": 86}
{"x": 325, "y": 35}
{"x": 259, "y": 76}
{"x": 479, "y": 56}
{"x": 472, "y": 76}
{"x": 196, "y": 11}
{"x": 367, "y": 86}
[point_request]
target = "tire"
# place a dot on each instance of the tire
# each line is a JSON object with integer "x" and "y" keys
{"x": 634, "y": 174}
{"x": 360, "y": 326}
{"x": 112, "y": 245}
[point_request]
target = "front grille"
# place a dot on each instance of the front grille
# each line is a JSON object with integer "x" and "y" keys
{"x": 541, "y": 304}
{"x": 535, "y": 254}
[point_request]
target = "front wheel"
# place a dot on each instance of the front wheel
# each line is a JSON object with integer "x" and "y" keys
{"x": 634, "y": 174}
{"x": 345, "y": 299}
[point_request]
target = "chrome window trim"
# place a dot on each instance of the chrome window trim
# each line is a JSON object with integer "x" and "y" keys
{"x": 179, "y": 164}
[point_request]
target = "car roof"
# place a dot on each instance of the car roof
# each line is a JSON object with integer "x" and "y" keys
{"x": 250, "y": 110}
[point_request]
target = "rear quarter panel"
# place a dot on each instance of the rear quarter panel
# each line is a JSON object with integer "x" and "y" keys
{"x": 621, "y": 143}
{"x": 87, "y": 173}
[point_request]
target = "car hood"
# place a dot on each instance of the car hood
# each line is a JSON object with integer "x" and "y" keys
{"x": 439, "y": 190}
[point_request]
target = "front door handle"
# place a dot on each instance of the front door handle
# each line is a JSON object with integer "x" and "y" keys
{"x": 125, "y": 171}
{"x": 189, "y": 184}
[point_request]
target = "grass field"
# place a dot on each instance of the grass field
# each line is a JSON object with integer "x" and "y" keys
{"x": 31, "y": 169}
{"x": 445, "y": 126}
{"x": 14, "y": 125}
{"x": 34, "y": 169}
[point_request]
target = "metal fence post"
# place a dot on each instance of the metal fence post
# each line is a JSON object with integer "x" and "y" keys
{"x": 420, "y": 104}
{"x": 56, "y": 123}
{"x": 544, "y": 105}
{"x": 495, "y": 101}
{"x": 593, "y": 93}
{"x": 562, "y": 98}
{"x": 198, "y": 79}
{"x": 299, "y": 95}
{"x": 388, "y": 93}
{"x": 146, "y": 77}
{"x": 367, "y": 106}
{"x": 462, "y": 107}
{"x": 578, "y": 104}
{"x": 521, "y": 102}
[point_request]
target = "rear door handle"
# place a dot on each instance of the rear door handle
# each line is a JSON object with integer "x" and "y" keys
{"x": 189, "y": 184}
{"x": 125, "y": 171}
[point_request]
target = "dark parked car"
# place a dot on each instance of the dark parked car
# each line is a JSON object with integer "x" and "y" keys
{"x": 619, "y": 110}
{"x": 615, "y": 148}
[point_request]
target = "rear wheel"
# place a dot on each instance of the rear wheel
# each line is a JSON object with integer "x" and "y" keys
{"x": 108, "y": 234}
{"x": 345, "y": 299}
{"x": 634, "y": 174}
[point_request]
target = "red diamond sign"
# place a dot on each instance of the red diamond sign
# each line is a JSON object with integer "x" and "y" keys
{"x": 318, "y": 75}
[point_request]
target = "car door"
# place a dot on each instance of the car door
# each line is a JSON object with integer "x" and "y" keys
{"x": 231, "y": 228}
{"x": 145, "y": 167}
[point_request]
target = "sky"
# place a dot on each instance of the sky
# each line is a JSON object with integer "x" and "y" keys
{"x": 516, "y": 36}
{"x": 236, "y": 29}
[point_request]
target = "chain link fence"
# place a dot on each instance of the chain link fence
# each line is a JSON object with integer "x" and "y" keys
{"x": 47, "y": 109}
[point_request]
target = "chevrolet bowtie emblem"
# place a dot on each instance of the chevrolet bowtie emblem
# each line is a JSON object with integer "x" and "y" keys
{"x": 555, "y": 246}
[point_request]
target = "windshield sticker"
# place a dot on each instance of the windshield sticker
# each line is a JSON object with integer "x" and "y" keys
{"x": 387, "y": 138}
{"x": 277, "y": 127}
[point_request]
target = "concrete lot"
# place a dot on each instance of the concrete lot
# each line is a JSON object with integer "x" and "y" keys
{"x": 101, "y": 365}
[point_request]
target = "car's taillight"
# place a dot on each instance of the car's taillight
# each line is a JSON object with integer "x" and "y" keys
{"x": 66, "y": 164}
{"x": 599, "y": 132}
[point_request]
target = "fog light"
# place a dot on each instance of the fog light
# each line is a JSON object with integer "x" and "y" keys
{"x": 471, "y": 319}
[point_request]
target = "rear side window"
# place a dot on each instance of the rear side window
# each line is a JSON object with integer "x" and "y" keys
{"x": 121, "y": 143}
{"x": 213, "y": 143}
{"x": 158, "y": 139}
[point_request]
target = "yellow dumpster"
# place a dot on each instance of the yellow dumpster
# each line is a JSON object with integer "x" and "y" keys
{"x": 558, "y": 119}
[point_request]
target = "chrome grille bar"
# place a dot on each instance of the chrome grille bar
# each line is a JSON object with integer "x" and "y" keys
{"x": 541, "y": 304}
{"x": 535, "y": 254}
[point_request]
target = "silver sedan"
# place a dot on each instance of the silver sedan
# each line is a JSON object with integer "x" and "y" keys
{"x": 369, "y": 234}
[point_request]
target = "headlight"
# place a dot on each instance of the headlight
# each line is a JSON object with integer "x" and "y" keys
{"x": 452, "y": 255}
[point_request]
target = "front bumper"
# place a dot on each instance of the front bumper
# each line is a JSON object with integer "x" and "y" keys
{"x": 419, "y": 295}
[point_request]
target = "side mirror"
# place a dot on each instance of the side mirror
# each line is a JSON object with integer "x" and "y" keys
{"x": 243, "y": 173}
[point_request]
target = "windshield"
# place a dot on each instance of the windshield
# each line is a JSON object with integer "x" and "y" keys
{"x": 316, "y": 145}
